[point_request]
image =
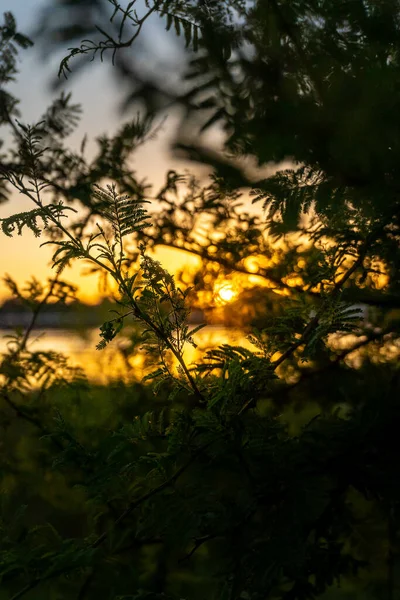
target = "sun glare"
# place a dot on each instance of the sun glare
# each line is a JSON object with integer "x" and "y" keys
{"x": 225, "y": 293}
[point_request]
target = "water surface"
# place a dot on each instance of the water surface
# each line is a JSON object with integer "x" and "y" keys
{"x": 102, "y": 366}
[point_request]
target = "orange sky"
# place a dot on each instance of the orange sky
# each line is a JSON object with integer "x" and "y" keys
{"x": 22, "y": 256}
{"x": 96, "y": 91}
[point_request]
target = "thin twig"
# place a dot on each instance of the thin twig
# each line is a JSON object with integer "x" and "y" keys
{"x": 150, "y": 494}
{"x": 197, "y": 544}
{"x": 314, "y": 322}
{"x": 337, "y": 359}
{"x": 86, "y": 584}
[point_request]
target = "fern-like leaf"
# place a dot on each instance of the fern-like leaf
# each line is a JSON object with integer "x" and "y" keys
{"x": 339, "y": 316}
{"x": 29, "y": 219}
{"x": 125, "y": 214}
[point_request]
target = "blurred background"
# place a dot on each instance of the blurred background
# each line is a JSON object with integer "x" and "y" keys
{"x": 102, "y": 95}
{"x": 213, "y": 239}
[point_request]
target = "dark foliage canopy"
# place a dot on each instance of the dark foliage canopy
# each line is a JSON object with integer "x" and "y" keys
{"x": 252, "y": 474}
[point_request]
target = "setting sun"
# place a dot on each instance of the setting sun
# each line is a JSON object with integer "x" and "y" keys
{"x": 225, "y": 293}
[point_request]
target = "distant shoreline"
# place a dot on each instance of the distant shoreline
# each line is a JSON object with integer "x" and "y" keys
{"x": 68, "y": 319}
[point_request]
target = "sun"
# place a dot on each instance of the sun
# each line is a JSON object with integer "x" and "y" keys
{"x": 225, "y": 292}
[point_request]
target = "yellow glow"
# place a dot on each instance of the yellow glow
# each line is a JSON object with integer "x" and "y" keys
{"x": 283, "y": 292}
{"x": 225, "y": 292}
{"x": 293, "y": 281}
{"x": 25, "y": 258}
{"x": 301, "y": 263}
{"x": 381, "y": 280}
{"x": 252, "y": 264}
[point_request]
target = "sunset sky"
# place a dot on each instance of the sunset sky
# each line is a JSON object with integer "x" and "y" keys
{"x": 22, "y": 256}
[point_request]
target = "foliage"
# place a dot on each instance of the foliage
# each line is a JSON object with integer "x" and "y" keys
{"x": 216, "y": 490}
{"x": 10, "y": 41}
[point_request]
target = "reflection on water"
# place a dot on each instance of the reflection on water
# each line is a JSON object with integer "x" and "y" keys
{"x": 103, "y": 366}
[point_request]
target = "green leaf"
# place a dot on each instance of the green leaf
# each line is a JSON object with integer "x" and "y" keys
{"x": 177, "y": 25}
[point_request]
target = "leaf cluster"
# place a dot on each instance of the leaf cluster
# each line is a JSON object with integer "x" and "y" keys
{"x": 213, "y": 492}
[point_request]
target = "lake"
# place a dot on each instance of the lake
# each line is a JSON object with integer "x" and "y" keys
{"x": 103, "y": 366}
